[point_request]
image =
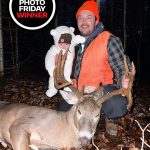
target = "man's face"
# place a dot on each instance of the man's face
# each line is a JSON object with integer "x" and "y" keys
{"x": 86, "y": 23}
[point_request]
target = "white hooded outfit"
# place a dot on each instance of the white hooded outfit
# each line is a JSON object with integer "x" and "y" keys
{"x": 55, "y": 49}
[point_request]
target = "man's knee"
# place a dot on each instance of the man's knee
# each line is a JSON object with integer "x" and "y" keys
{"x": 116, "y": 106}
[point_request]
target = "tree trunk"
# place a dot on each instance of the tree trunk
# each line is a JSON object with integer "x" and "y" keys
{"x": 1, "y": 45}
{"x": 17, "y": 54}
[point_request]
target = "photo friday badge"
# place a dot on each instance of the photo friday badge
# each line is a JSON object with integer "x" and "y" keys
{"x": 32, "y": 14}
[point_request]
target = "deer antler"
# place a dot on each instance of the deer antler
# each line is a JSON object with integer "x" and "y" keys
{"x": 128, "y": 92}
{"x": 129, "y": 74}
{"x": 104, "y": 97}
{"x": 59, "y": 79}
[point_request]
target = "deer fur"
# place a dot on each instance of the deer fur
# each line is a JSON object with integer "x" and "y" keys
{"x": 23, "y": 125}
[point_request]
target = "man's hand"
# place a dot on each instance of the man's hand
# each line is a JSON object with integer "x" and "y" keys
{"x": 125, "y": 82}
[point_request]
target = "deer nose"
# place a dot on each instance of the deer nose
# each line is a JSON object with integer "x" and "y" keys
{"x": 84, "y": 142}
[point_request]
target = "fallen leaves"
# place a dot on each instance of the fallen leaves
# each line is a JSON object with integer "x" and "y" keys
{"x": 32, "y": 92}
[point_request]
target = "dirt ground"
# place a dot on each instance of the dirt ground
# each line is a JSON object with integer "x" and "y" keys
{"x": 32, "y": 92}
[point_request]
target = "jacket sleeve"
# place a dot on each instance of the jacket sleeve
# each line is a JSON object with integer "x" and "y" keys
{"x": 116, "y": 58}
{"x": 50, "y": 60}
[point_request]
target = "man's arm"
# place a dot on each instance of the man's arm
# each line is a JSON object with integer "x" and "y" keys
{"x": 116, "y": 58}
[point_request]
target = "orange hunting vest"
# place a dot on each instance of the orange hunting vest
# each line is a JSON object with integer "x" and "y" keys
{"x": 95, "y": 68}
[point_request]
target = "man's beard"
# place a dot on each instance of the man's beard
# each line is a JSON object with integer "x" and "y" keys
{"x": 86, "y": 34}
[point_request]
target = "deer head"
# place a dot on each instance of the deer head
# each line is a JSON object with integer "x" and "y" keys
{"x": 86, "y": 118}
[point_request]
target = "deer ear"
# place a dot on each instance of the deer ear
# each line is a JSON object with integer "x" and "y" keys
{"x": 98, "y": 94}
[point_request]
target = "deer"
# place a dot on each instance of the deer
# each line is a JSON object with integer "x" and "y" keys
{"x": 23, "y": 126}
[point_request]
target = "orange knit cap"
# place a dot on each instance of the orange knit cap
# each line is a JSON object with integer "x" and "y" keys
{"x": 92, "y": 6}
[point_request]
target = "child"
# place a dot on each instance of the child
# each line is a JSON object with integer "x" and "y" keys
{"x": 64, "y": 39}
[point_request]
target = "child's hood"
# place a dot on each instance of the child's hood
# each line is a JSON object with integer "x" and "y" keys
{"x": 57, "y": 32}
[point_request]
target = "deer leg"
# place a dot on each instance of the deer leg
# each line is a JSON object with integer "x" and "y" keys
{"x": 20, "y": 139}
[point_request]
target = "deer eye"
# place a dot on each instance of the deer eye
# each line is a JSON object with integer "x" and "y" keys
{"x": 97, "y": 116}
{"x": 79, "y": 112}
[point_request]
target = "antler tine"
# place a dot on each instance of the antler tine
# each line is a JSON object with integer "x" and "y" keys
{"x": 108, "y": 95}
{"x": 126, "y": 66}
{"x": 132, "y": 75}
{"x": 59, "y": 79}
{"x": 62, "y": 64}
{"x": 129, "y": 74}
{"x": 58, "y": 67}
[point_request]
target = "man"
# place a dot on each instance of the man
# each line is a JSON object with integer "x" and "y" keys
{"x": 100, "y": 60}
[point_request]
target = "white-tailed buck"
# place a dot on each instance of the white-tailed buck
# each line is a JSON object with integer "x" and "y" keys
{"x": 22, "y": 125}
